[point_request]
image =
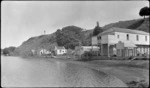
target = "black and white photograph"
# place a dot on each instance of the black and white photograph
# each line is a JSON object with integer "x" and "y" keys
{"x": 75, "y": 43}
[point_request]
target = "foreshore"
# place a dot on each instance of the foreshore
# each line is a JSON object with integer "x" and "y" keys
{"x": 136, "y": 70}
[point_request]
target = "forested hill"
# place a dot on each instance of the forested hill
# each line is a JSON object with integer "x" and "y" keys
{"x": 36, "y": 43}
{"x": 69, "y": 37}
{"x": 72, "y": 36}
{"x": 137, "y": 24}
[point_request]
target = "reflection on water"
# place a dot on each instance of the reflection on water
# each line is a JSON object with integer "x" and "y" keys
{"x": 60, "y": 65}
{"x": 20, "y": 72}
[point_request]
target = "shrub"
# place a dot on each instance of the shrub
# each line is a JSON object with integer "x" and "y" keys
{"x": 86, "y": 56}
{"x": 141, "y": 84}
{"x": 8, "y": 50}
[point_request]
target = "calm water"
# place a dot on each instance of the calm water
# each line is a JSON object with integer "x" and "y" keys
{"x": 29, "y": 72}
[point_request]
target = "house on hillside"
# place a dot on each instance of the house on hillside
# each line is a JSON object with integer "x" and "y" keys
{"x": 125, "y": 42}
{"x": 44, "y": 52}
{"x": 60, "y": 50}
{"x": 33, "y": 51}
{"x": 79, "y": 50}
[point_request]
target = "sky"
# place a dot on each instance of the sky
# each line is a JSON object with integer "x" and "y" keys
{"x": 21, "y": 20}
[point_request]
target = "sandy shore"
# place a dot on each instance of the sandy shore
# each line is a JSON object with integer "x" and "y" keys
{"x": 126, "y": 71}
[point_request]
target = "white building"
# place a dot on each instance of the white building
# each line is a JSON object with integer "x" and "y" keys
{"x": 94, "y": 41}
{"x": 44, "y": 52}
{"x": 79, "y": 50}
{"x": 60, "y": 50}
{"x": 127, "y": 42}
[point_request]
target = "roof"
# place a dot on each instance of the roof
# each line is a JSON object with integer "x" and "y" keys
{"x": 124, "y": 30}
{"x": 59, "y": 47}
{"x": 129, "y": 44}
{"x": 87, "y": 47}
{"x": 90, "y": 46}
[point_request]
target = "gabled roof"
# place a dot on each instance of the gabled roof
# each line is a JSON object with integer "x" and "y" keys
{"x": 123, "y": 30}
{"x": 59, "y": 47}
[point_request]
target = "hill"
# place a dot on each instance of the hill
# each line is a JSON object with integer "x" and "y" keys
{"x": 8, "y": 50}
{"x": 137, "y": 24}
{"x": 72, "y": 36}
{"x": 36, "y": 43}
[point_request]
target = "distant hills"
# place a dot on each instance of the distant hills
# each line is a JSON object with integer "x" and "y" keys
{"x": 73, "y": 35}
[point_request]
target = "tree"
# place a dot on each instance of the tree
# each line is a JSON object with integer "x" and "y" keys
{"x": 70, "y": 37}
{"x": 144, "y": 11}
{"x": 5, "y": 51}
{"x": 97, "y": 30}
{"x": 59, "y": 37}
{"x": 8, "y": 50}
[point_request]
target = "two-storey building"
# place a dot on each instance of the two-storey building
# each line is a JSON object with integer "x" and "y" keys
{"x": 123, "y": 42}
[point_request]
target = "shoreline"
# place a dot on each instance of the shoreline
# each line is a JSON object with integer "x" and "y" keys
{"x": 126, "y": 71}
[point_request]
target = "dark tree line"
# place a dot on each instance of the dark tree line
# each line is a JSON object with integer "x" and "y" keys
{"x": 68, "y": 39}
{"x": 72, "y": 36}
{"x": 8, "y": 50}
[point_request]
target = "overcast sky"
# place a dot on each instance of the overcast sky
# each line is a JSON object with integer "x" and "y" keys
{"x": 21, "y": 20}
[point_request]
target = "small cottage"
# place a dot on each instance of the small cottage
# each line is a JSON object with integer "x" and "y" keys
{"x": 44, "y": 52}
{"x": 60, "y": 50}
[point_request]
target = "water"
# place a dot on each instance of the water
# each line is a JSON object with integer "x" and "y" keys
{"x": 33, "y": 72}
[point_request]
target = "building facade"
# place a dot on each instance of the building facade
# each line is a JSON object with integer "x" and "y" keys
{"x": 60, "y": 50}
{"x": 44, "y": 52}
{"x": 123, "y": 42}
{"x": 79, "y": 50}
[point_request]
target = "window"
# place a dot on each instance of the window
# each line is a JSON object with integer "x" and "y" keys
{"x": 145, "y": 38}
{"x": 127, "y": 36}
{"x": 137, "y": 37}
{"x": 117, "y": 36}
{"x": 99, "y": 37}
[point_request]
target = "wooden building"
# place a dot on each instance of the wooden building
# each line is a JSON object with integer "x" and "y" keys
{"x": 123, "y": 42}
